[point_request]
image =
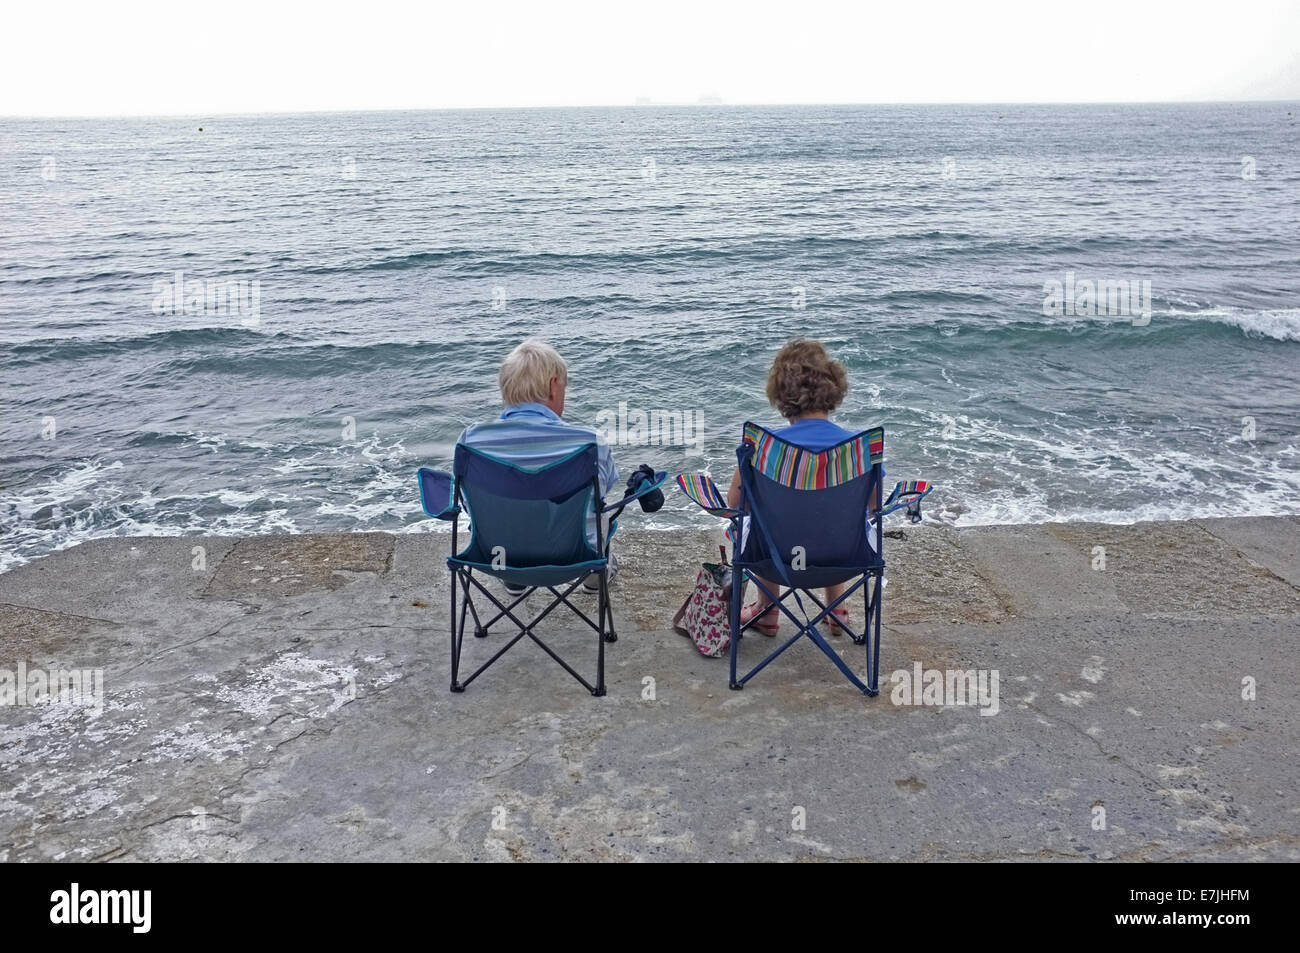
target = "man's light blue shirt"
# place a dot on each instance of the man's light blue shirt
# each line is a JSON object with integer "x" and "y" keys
{"x": 532, "y": 435}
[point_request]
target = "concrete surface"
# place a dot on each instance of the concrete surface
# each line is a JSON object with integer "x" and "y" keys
{"x": 287, "y": 698}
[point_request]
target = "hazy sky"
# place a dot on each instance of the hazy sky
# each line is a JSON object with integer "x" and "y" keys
{"x": 128, "y": 58}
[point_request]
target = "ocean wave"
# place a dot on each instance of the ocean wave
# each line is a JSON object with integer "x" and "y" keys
{"x": 76, "y": 348}
{"x": 369, "y": 484}
{"x": 288, "y": 354}
{"x": 1277, "y": 324}
{"x": 993, "y": 474}
{"x": 1281, "y": 324}
{"x": 739, "y": 250}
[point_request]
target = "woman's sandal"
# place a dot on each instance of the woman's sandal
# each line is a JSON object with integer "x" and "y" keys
{"x": 748, "y": 613}
{"x": 836, "y": 625}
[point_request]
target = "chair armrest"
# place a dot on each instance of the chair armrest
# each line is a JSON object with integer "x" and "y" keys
{"x": 907, "y": 493}
{"x": 437, "y": 488}
{"x": 704, "y": 493}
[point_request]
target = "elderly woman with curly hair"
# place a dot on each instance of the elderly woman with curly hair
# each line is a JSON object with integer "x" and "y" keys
{"x": 805, "y": 385}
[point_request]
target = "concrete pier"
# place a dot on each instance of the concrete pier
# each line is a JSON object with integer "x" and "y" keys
{"x": 286, "y": 698}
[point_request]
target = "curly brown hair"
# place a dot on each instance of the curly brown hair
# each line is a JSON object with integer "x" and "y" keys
{"x": 805, "y": 379}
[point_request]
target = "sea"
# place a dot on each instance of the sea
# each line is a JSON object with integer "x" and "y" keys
{"x": 265, "y": 324}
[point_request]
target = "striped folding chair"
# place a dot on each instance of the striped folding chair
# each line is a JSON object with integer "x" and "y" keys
{"x": 809, "y": 520}
{"x": 528, "y": 528}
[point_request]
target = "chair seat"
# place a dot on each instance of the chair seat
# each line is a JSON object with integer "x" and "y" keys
{"x": 811, "y": 577}
{"x": 530, "y": 575}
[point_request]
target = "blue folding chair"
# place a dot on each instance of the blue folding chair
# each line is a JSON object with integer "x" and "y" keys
{"x": 528, "y": 528}
{"x": 809, "y": 519}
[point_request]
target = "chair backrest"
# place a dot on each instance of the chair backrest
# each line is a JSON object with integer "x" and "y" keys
{"x": 531, "y": 517}
{"x": 808, "y": 509}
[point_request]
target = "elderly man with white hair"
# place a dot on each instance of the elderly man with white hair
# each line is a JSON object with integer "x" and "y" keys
{"x": 531, "y": 431}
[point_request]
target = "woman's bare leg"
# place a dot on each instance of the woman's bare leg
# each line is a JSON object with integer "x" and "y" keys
{"x": 763, "y": 601}
{"x": 833, "y": 593}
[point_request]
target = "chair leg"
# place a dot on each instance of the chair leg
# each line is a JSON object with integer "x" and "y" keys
{"x": 610, "y": 635}
{"x": 873, "y": 663}
{"x": 600, "y": 634}
{"x": 462, "y": 587}
{"x": 812, "y": 633}
{"x": 736, "y": 600}
{"x": 866, "y": 614}
{"x": 480, "y": 630}
{"x": 456, "y": 636}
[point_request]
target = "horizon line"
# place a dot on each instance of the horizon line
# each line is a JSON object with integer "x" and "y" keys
{"x": 642, "y": 106}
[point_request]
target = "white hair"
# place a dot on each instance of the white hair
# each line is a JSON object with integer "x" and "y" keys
{"x": 526, "y": 373}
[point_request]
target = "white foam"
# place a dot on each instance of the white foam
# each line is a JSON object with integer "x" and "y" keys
{"x": 1282, "y": 324}
{"x": 994, "y": 474}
